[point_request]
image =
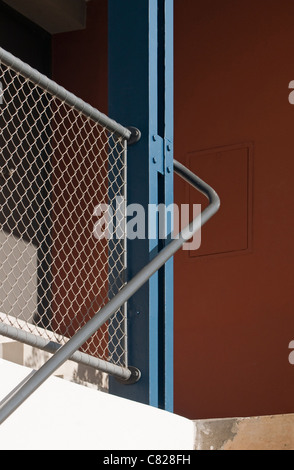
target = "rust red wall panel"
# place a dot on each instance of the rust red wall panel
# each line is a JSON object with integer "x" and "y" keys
{"x": 234, "y": 312}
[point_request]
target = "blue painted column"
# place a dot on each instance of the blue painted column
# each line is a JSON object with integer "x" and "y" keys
{"x": 141, "y": 95}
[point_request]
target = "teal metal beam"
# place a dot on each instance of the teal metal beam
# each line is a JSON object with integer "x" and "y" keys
{"x": 141, "y": 95}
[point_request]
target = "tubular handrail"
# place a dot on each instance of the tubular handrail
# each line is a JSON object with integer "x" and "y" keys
{"x": 74, "y": 344}
{"x": 58, "y": 91}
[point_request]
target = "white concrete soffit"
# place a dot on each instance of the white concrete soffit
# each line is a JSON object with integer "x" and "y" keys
{"x": 55, "y": 16}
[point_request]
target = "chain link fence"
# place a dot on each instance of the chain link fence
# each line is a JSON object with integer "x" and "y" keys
{"x": 58, "y": 170}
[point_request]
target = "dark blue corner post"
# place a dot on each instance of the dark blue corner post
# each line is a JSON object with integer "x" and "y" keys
{"x": 141, "y": 95}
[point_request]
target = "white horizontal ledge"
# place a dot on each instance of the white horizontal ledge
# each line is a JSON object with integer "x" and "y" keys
{"x": 61, "y": 415}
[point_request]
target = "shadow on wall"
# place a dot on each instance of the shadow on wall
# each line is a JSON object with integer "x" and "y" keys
{"x": 34, "y": 358}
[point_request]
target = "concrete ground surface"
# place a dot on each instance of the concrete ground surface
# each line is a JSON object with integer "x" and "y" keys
{"x": 258, "y": 433}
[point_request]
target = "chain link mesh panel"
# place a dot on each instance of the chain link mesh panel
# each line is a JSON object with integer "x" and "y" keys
{"x": 59, "y": 170}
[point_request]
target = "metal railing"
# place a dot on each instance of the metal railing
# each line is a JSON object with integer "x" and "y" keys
{"x": 67, "y": 351}
{"x": 70, "y": 349}
{"x": 60, "y": 158}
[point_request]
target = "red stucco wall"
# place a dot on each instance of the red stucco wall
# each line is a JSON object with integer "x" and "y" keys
{"x": 234, "y": 304}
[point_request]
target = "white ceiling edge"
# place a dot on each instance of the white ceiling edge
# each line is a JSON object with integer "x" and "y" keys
{"x": 55, "y": 16}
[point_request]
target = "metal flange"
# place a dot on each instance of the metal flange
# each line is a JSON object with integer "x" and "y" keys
{"x": 134, "y": 378}
{"x": 135, "y": 135}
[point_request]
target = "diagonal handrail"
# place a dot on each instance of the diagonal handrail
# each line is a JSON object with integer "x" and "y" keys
{"x": 64, "y": 95}
{"x": 73, "y": 345}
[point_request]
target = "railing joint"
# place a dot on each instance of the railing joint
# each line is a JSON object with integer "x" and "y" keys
{"x": 135, "y": 135}
{"x": 134, "y": 377}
